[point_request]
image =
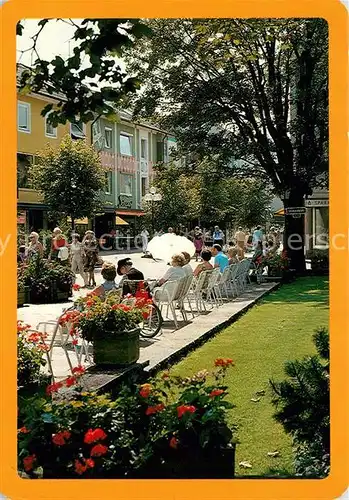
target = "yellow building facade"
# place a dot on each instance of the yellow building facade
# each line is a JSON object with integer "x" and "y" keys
{"x": 34, "y": 134}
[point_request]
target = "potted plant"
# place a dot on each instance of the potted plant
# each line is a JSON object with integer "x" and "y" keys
{"x": 319, "y": 261}
{"x": 112, "y": 327}
{"x": 278, "y": 266}
{"x": 30, "y": 355}
{"x": 47, "y": 281}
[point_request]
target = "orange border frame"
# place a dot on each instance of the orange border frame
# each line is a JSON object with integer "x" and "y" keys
{"x": 333, "y": 486}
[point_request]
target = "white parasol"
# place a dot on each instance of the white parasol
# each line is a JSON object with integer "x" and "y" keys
{"x": 165, "y": 246}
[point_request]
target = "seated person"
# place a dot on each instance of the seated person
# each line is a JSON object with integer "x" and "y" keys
{"x": 233, "y": 255}
{"x": 129, "y": 273}
{"x": 220, "y": 259}
{"x": 205, "y": 265}
{"x": 108, "y": 272}
{"x": 187, "y": 267}
{"x": 176, "y": 271}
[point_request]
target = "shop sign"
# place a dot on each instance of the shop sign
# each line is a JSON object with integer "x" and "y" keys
{"x": 317, "y": 203}
{"x": 295, "y": 211}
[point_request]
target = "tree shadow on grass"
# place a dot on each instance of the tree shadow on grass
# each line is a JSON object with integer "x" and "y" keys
{"x": 314, "y": 290}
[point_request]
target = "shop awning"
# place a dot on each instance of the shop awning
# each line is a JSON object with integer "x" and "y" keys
{"x": 79, "y": 221}
{"x": 280, "y": 212}
{"x": 135, "y": 213}
{"x": 120, "y": 222}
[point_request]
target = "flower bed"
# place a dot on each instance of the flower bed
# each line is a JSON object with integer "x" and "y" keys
{"x": 172, "y": 427}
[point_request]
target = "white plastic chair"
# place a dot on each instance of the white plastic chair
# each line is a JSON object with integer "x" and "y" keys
{"x": 185, "y": 295}
{"x": 198, "y": 289}
{"x": 165, "y": 296}
{"x": 225, "y": 282}
{"x": 213, "y": 292}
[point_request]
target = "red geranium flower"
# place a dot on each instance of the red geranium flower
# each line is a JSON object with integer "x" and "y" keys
{"x": 216, "y": 392}
{"x": 79, "y": 370}
{"x": 223, "y": 362}
{"x": 28, "y": 462}
{"x": 76, "y": 287}
{"x": 92, "y": 436}
{"x": 60, "y": 438}
{"x": 75, "y": 342}
{"x": 174, "y": 443}
{"x": 23, "y": 430}
{"x": 145, "y": 314}
{"x": 90, "y": 463}
{"x": 181, "y": 410}
{"x": 53, "y": 387}
{"x": 154, "y": 409}
{"x": 98, "y": 450}
{"x": 89, "y": 303}
{"x": 79, "y": 467}
{"x": 70, "y": 381}
{"x": 145, "y": 390}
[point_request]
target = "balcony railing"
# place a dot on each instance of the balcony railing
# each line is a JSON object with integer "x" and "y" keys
{"x": 123, "y": 163}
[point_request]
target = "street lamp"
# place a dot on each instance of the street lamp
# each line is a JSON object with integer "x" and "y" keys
{"x": 152, "y": 197}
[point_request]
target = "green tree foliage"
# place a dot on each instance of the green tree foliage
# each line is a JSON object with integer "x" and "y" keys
{"x": 302, "y": 403}
{"x": 87, "y": 90}
{"x": 204, "y": 196}
{"x": 255, "y": 90}
{"x": 70, "y": 179}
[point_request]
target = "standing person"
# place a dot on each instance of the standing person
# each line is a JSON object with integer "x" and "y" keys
{"x": 77, "y": 258}
{"x": 145, "y": 239}
{"x": 58, "y": 243}
{"x": 218, "y": 236}
{"x": 90, "y": 249}
{"x": 208, "y": 241}
{"x": 35, "y": 247}
{"x": 240, "y": 238}
{"x": 198, "y": 240}
{"x": 220, "y": 259}
{"x": 257, "y": 236}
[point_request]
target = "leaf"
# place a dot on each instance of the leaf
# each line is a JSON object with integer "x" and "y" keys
{"x": 43, "y": 22}
{"x": 19, "y": 29}
{"x": 260, "y": 393}
{"x": 255, "y": 400}
{"x": 273, "y": 454}
{"x": 46, "y": 109}
{"x": 236, "y": 42}
{"x": 245, "y": 465}
{"x": 25, "y": 90}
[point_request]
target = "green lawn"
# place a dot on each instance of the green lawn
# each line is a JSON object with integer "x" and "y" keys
{"x": 278, "y": 329}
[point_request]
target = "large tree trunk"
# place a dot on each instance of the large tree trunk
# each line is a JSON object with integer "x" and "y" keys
{"x": 294, "y": 235}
